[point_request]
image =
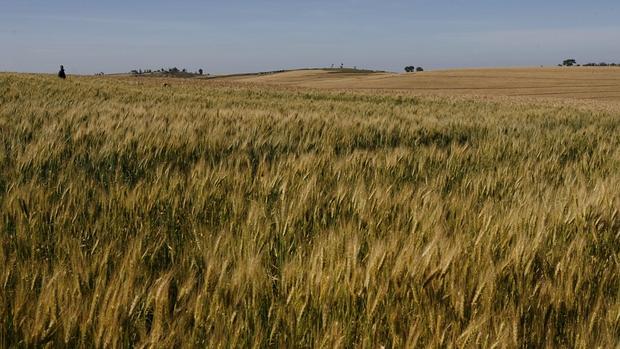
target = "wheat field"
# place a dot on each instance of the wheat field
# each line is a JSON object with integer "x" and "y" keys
{"x": 221, "y": 214}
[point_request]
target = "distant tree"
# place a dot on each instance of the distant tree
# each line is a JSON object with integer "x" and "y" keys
{"x": 569, "y": 62}
{"x": 410, "y": 69}
{"x": 184, "y": 70}
{"x": 419, "y": 69}
{"x": 200, "y": 71}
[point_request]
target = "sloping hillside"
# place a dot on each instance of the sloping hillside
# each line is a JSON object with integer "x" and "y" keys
{"x": 581, "y": 83}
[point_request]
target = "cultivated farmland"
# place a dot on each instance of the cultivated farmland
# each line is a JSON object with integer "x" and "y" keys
{"x": 220, "y": 213}
{"x": 582, "y": 83}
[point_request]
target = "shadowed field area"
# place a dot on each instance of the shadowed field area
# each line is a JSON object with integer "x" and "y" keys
{"x": 228, "y": 214}
{"x": 576, "y": 82}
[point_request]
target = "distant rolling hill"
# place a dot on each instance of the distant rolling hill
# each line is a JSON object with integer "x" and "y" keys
{"x": 600, "y": 83}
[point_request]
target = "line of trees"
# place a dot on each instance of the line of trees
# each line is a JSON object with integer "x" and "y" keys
{"x": 412, "y": 69}
{"x": 572, "y": 62}
{"x": 602, "y": 64}
{"x": 172, "y": 71}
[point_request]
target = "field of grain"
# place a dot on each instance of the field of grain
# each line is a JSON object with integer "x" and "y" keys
{"x": 593, "y": 83}
{"x": 228, "y": 214}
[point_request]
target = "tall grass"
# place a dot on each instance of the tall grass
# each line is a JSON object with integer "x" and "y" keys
{"x": 216, "y": 215}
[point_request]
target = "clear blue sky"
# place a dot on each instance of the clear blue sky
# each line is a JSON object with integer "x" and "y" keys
{"x": 244, "y": 36}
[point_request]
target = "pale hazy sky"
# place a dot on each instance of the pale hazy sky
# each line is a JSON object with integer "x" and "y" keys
{"x": 246, "y": 36}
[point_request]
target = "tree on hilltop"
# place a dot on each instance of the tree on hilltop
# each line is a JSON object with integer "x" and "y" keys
{"x": 569, "y": 62}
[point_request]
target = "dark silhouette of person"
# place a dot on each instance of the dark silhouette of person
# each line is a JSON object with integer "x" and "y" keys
{"x": 61, "y": 73}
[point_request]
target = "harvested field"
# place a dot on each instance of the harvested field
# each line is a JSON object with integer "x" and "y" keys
{"x": 596, "y": 83}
